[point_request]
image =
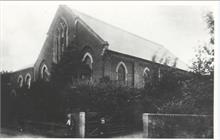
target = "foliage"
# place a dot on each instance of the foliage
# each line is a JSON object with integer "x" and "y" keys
{"x": 196, "y": 93}
{"x": 167, "y": 87}
{"x": 203, "y": 62}
{"x": 180, "y": 126}
{"x": 196, "y": 97}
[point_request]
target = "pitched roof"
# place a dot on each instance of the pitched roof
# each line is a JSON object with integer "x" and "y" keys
{"x": 122, "y": 41}
{"x": 29, "y": 66}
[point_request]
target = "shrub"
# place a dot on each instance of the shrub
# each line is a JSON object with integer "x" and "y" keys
{"x": 196, "y": 97}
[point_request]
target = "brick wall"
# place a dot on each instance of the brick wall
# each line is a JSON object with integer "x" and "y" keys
{"x": 88, "y": 42}
{"x": 14, "y": 76}
{"x": 46, "y": 53}
{"x": 134, "y": 66}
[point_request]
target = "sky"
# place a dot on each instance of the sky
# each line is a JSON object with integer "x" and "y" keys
{"x": 178, "y": 26}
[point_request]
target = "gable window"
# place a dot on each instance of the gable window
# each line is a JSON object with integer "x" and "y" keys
{"x": 45, "y": 73}
{"x": 64, "y": 32}
{"x": 56, "y": 51}
{"x": 87, "y": 62}
{"x": 60, "y": 39}
{"x": 121, "y": 71}
{"x": 20, "y": 81}
{"x": 28, "y": 81}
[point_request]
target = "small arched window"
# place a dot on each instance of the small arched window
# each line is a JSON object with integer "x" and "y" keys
{"x": 87, "y": 62}
{"x": 45, "y": 73}
{"x": 159, "y": 74}
{"x": 28, "y": 80}
{"x": 20, "y": 81}
{"x": 88, "y": 59}
{"x": 121, "y": 71}
{"x": 146, "y": 76}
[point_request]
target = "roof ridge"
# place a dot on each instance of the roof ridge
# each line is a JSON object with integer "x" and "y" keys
{"x": 112, "y": 26}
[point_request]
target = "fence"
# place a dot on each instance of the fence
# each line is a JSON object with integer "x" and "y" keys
{"x": 99, "y": 124}
{"x": 177, "y": 126}
{"x": 96, "y": 124}
{"x": 48, "y": 129}
{"x": 83, "y": 124}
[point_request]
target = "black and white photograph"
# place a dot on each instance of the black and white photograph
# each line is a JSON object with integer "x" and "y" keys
{"x": 108, "y": 69}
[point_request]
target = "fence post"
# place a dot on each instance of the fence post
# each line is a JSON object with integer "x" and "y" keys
{"x": 145, "y": 118}
{"x": 82, "y": 124}
{"x": 79, "y": 118}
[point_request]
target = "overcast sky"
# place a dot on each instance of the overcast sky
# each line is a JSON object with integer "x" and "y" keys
{"x": 179, "y": 27}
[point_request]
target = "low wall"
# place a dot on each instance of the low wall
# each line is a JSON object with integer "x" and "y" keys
{"x": 177, "y": 126}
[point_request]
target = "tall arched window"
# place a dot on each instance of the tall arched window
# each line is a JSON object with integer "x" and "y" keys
{"x": 45, "y": 73}
{"x": 61, "y": 39}
{"x": 146, "y": 76}
{"x": 56, "y": 48}
{"x": 28, "y": 80}
{"x": 87, "y": 62}
{"x": 121, "y": 71}
{"x": 63, "y": 34}
{"x": 20, "y": 81}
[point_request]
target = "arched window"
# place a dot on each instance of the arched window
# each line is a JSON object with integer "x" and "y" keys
{"x": 60, "y": 39}
{"x": 64, "y": 33}
{"x": 45, "y": 73}
{"x": 159, "y": 74}
{"x": 87, "y": 62}
{"x": 75, "y": 27}
{"x": 20, "y": 81}
{"x": 56, "y": 51}
{"x": 146, "y": 76}
{"x": 121, "y": 71}
{"x": 28, "y": 80}
{"x": 87, "y": 59}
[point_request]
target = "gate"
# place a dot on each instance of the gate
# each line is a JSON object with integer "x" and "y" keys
{"x": 107, "y": 125}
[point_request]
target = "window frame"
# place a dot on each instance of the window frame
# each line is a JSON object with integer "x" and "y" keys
{"x": 41, "y": 71}
{"x": 20, "y": 84}
{"x": 88, "y": 54}
{"x": 28, "y": 84}
{"x": 121, "y": 63}
{"x": 146, "y": 71}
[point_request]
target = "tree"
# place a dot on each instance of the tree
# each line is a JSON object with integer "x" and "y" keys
{"x": 203, "y": 62}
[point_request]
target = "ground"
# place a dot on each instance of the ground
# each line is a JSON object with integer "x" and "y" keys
{"x": 8, "y": 133}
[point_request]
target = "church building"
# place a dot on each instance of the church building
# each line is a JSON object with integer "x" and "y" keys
{"x": 105, "y": 51}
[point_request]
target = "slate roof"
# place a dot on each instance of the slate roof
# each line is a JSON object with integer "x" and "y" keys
{"x": 124, "y": 42}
